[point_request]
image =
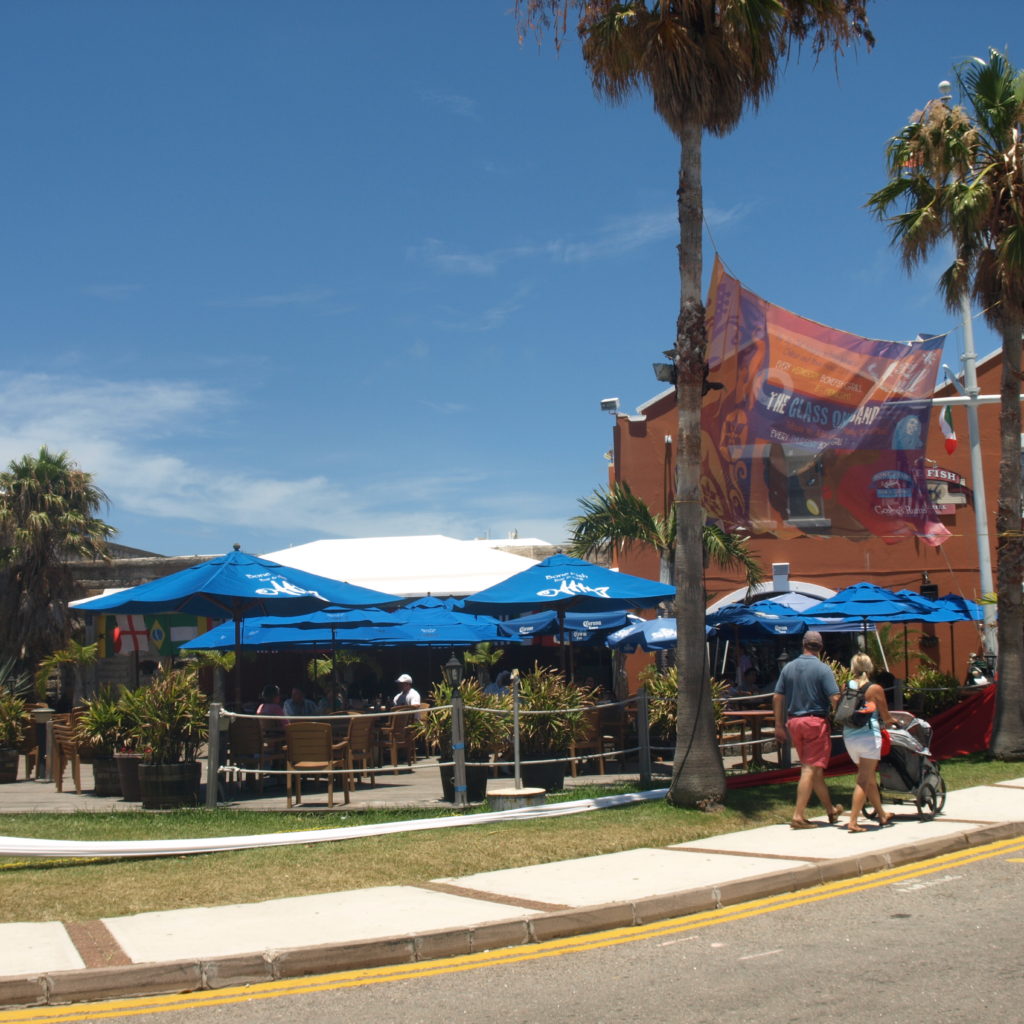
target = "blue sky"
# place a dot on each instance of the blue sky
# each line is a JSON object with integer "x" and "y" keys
{"x": 274, "y": 272}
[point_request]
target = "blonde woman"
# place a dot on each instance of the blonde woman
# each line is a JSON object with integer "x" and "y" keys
{"x": 864, "y": 742}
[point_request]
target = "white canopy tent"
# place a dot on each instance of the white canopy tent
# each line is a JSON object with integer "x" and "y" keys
{"x": 410, "y": 566}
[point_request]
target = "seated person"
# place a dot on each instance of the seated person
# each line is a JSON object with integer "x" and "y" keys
{"x": 406, "y": 694}
{"x": 500, "y": 685}
{"x": 271, "y": 697}
{"x": 297, "y": 706}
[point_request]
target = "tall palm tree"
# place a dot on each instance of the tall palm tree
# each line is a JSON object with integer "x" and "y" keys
{"x": 958, "y": 173}
{"x": 48, "y": 509}
{"x": 616, "y": 519}
{"x": 704, "y": 63}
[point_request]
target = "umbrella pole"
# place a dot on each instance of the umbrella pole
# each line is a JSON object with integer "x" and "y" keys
{"x": 238, "y": 664}
{"x": 515, "y": 730}
{"x": 952, "y": 649}
{"x": 334, "y": 668}
{"x": 561, "y": 647}
{"x": 906, "y": 653}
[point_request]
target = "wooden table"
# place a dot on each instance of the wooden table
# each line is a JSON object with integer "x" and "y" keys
{"x": 755, "y": 719}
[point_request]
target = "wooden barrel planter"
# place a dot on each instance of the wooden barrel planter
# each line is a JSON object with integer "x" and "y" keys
{"x": 106, "y": 776}
{"x": 128, "y": 775}
{"x": 549, "y": 777}
{"x": 476, "y": 783}
{"x": 9, "y": 764}
{"x": 167, "y": 786}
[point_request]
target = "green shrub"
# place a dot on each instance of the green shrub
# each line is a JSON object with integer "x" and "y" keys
{"x": 170, "y": 718}
{"x": 929, "y": 691}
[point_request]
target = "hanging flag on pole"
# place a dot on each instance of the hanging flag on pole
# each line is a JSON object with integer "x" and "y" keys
{"x": 948, "y": 432}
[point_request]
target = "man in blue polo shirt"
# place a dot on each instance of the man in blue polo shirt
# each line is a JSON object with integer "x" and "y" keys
{"x": 805, "y": 694}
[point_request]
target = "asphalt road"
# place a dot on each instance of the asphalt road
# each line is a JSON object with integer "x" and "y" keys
{"x": 938, "y": 941}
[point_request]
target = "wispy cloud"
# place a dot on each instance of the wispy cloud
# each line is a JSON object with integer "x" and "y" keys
{"x": 454, "y": 103}
{"x": 309, "y": 297}
{"x": 144, "y": 442}
{"x": 449, "y": 260}
{"x": 488, "y": 319}
{"x": 615, "y": 238}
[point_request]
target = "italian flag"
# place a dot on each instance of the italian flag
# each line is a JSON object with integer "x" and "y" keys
{"x": 946, "y": 422}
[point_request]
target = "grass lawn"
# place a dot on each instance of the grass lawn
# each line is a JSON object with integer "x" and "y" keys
{"x": 75, "y": 890}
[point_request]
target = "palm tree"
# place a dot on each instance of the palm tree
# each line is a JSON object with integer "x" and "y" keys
{"x": 616, "y": 519}
{"x": 48, "y": 512}
{"x": 955, "y": 173}
{"x": 704, "y": 63}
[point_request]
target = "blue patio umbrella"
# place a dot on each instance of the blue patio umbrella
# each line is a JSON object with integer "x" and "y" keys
{"x": 576, "y": 627}
{"x": 649, "y": 634}
{"x": 438, "y": 623}
{"x": 237, "y": 586}
{"x": 569, "y": 584}
{"x": 763, "y": 618}
{"x": 869, "y": 603}
{"x": 565, "y": 584}
{"x": 866, "y": 602}
{"x": 954, "y": 608}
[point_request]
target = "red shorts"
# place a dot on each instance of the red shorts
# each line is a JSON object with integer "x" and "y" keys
{"x": 811, "y": 738}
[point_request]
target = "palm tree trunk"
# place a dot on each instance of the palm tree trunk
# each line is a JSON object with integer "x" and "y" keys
{"x": 698, "y": 777}
{"x": 1008, "y": 730}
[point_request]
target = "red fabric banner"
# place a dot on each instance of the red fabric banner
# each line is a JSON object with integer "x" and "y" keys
{"x": 965, "y": 728}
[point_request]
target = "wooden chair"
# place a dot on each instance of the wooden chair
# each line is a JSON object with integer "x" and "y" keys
{"x": 66, "y": 751}
{"x": 362, "y": 746}
{"x": 252, "y": 746}
{"x": 29, "y": 746}
{"x": 398, "y": 738}
{"x": 310, "y": 750}
{"x": 593, "y": 742}
{"x": 615, "y": 729}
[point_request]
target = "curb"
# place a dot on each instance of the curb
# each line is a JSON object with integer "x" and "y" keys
{"x": 98, "y": 983}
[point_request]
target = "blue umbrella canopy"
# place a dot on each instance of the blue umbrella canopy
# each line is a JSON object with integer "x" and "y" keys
{"x": 650, "y": 634}
{"x": 434, "y": 622}
{"x": 954, "y": 608}
{"x": 577, "y": 627}
{"x": 867, "y": 603}
{"x": 269, "y": 633}
{"x": 760, "y": 618}
{"x": 237, "y": 586}
{"x": 569, "y": 584}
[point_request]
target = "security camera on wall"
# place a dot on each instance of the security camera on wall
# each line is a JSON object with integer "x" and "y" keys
{"x": 610, "y": 405}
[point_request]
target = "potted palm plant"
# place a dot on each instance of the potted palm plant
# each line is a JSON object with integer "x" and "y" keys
{"x": 170, "y": 726}
{"x": 544, "y": 737}
{"x": 15, "y": 721}
{"x": 104, "y": 727}
{"x": 486, "y": 725}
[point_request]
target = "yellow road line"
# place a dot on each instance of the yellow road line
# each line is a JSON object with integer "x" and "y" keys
{"x": 516, "y": 954}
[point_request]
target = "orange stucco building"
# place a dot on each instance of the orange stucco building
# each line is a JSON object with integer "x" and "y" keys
{"x": 643, "y": 456}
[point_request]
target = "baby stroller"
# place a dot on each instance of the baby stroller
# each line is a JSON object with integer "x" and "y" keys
{"x": 908, "y": 767}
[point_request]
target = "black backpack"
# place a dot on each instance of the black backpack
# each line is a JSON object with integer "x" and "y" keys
{"x": 849, "y": 709}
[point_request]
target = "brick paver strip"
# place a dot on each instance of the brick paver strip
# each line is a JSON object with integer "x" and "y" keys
{"x": 95, "y": 945}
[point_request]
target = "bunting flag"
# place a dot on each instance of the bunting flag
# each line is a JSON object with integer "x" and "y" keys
{"x": 169, "y": 631}
{"x": 815, "y": 430}
{"x": 131, "y": 634}
{"x": 106, "y": 626}
{"x": 948, "y": 431}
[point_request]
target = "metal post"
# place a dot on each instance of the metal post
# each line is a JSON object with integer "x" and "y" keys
{"x": 213, "y": 757}
{"x": 643, "y": 735}
{"x": 515, "y": 730}
{"x": 969, "y": 360}
{"x": 459, "y": 749}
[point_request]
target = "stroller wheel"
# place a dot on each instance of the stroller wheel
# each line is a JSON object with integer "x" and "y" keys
{"x": 931, "y": 796}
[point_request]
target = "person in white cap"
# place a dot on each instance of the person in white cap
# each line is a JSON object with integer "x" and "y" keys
{"x": 406, "y": 694}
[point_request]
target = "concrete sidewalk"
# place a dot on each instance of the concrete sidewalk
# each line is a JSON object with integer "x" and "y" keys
{"x": 206, "y": 948}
